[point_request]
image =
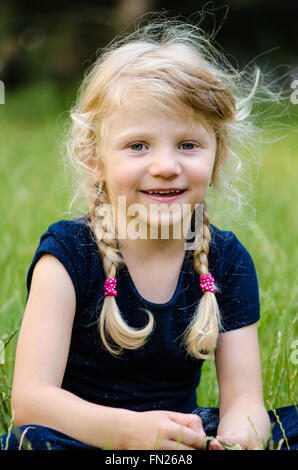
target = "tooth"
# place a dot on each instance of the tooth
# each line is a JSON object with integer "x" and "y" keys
{"x": 165, "y": 192}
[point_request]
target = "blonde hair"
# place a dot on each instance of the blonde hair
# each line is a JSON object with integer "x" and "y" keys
{"x": 170, "y": 64}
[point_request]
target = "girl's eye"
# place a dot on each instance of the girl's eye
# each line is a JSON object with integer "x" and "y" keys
{"x": 188, "y": 145}
{"x": 137, "y": 147}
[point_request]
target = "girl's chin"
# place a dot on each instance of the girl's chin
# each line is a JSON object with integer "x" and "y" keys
{"x": 164, "y": 224}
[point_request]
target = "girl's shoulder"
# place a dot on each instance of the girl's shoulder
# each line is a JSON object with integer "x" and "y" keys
{"x": 236, "y": 279}
{"x": 71, "y": 242}
{"x": 225, "y": 242}
{"x": 68, "y": 228}
{"x": 72, "y": 234}
{"x": 228, "y": 255}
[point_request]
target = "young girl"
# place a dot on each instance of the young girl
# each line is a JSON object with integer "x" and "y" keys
{"x": 120, "y": 317}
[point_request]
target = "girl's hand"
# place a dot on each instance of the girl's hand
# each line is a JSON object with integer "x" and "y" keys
{"x": 242, "y": 437}
{"x": 168, "y": 430}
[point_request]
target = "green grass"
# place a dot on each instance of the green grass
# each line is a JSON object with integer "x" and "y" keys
{"x": 34, "y": 195}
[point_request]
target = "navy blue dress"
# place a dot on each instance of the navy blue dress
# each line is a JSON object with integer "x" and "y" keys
{"x": 160, "y": 375}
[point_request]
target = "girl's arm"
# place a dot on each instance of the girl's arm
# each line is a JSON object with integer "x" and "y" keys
{"x": 243, "y": 417}
{"x": 41, "y": 357}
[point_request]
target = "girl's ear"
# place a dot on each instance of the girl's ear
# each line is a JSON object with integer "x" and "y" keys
{"x": 92, "y": 161}
{"x": 222, "y": 153}
{"x": 86, "y": 156}
{"x": 217, "y": 168}
{"x": 223, "y": 159}
{"x": 99, "y": 168}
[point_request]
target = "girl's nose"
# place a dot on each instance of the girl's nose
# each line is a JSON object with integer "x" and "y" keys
{"x": 164, "y": 163}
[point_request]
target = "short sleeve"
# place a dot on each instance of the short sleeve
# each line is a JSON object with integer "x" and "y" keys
{"x": 66, "y": 241}
{"x": 238, "y": 298}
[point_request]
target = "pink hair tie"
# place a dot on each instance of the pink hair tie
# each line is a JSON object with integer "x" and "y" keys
{"x": 110, "y": 286}
{"x": 207, "y": 283}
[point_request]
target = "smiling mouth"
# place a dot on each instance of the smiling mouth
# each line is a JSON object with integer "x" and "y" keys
{"x": 164, "y": 195}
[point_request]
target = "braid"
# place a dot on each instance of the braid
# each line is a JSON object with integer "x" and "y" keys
{"x": 202, "y": 333}
{"x": 201, "y": 256}
{"x": 111, "y": 322}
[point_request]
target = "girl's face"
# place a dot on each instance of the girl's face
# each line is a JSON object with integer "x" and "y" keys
{"x": 146, "y": 149}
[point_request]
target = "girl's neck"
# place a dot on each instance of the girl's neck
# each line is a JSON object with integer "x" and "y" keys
{"x": 151, "y": 250}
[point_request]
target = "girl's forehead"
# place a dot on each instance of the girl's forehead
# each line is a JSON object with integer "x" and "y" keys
{"x": 145, "y": 116}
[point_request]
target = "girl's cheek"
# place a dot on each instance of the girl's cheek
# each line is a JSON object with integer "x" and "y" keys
{"x": 199, "y": 172}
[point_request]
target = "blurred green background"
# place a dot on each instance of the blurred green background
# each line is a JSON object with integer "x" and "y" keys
{"x": 44, "y": 51}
